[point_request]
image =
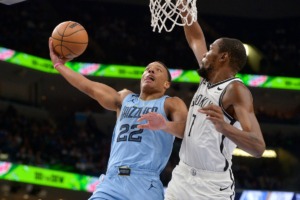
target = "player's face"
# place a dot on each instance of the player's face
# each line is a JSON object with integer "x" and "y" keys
{"x": 155, "y": 76}
{"x": 209, "y": 60}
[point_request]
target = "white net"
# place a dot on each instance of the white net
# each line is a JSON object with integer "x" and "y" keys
{"x": 165, "y": 14}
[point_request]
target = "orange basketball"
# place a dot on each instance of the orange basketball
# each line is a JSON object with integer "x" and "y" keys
{"x": 70, "y": 39}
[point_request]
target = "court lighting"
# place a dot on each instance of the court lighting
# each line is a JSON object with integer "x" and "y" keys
{"x": 267, "y": 154}
{"x": 3, "y": 156}
{"x": 247, "y": 49}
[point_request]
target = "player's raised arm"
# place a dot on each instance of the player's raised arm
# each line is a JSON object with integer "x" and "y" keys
{"x": 107, "y": 97}
{"x": 195, "y": 38}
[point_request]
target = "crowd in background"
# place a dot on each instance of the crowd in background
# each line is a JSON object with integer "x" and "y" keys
{"x": 121, "y": 34}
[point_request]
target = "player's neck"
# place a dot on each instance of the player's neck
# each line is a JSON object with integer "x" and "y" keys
{"x": 220, "y": 75}
{"x": 146, "y": 97}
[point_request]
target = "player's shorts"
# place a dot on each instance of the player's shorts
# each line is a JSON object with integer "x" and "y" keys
{"x": 188, "y": 183}
{"x": 139, "y": 185}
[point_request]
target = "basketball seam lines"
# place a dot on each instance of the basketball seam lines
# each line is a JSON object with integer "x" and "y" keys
{"x": 73, "y": 32}
{"x": 61, "y": 49}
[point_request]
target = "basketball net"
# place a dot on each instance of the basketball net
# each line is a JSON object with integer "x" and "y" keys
{"x": 165, "y": 14}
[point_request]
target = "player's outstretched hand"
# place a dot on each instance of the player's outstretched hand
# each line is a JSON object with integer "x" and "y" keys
{"x": 154, "y": 120}
{"x": 54, "y": 57}
{"x": 215, "y": 115}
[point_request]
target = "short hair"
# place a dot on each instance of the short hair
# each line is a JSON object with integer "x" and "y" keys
{"x": 165, "y": 66}
{"x": 236, "y": 51}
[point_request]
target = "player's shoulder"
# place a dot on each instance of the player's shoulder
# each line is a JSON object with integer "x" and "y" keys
{"x": 173, "y": 99}
{"x": 237, "y": 86}
{"x": 123, "y": 93}
{"x": 238, "y": 90}
{"x": 174, "y": 103}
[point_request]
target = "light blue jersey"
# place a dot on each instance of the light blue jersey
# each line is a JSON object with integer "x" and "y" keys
{"x": 143, "y": 151}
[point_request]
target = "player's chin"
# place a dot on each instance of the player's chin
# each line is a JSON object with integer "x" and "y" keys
{"x": 148, "y": 83}
{"x": 149, "y": 87}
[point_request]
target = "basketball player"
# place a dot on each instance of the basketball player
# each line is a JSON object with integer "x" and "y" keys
{"x": 220, "y": 117}
{"x": 138, "y": 155}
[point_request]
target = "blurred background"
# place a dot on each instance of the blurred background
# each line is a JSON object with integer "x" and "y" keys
{"x": 46, "y": 123}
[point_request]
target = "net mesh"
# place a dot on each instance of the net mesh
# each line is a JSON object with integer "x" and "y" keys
{"x": 166, "y": 14}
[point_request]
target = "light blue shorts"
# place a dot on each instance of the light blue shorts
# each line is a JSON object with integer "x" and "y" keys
{"x": 139, "y": 185}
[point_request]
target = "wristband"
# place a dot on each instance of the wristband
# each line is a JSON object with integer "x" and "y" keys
{"x": 57, "y": 64}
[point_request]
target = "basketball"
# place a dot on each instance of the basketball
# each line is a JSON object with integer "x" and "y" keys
{"x": 70, "y": 39}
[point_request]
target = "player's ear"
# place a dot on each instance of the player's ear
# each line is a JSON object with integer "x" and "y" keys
{"x": 167, "y": 84}
{"x": 224, "y": 57}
